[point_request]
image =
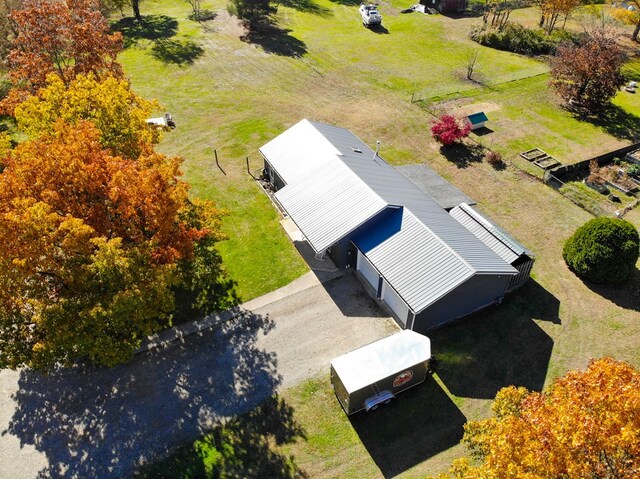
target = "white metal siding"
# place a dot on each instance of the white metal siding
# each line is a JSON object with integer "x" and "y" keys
{"x": 395, "y": 302}
{"x": 368, "y": 271}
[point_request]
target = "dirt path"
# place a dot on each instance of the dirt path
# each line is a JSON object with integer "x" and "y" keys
{"x": 85, "y": 422}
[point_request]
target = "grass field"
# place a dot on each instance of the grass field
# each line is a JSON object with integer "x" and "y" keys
{"x": 233, "y": 94}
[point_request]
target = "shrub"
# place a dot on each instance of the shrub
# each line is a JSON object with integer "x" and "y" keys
{"x": 518, "y": 39}
{"x": 251, "y": 12}
{"x": 202, "y": 15}
{"x": 494, "y": 158}
{"x": 634, "y": 170}
{"x": 603, "y": 250}
{"x": 449, "y": 130}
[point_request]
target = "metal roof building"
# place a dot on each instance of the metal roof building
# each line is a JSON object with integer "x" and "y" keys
{"x": 349, "y": 202}
{"x": 498, "y": 240}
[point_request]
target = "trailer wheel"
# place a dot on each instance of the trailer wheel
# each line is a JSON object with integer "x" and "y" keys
{"x": 373, "y": 408}
{"x": 388, "y": 401}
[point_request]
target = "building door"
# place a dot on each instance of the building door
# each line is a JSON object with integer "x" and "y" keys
{"x": 368, "y": 271}
{"x": 396, "y": 303}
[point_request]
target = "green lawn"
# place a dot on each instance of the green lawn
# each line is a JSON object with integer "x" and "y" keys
{"x": 233, "y": 95}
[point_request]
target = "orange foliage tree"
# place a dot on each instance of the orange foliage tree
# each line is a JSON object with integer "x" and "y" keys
{"x": 94, "y": 248}
{"x": 62, "y": 37}
{"x": 585, "y": 425}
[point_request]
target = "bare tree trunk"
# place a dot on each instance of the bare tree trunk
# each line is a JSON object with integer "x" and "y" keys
{"x": 135, "y": 4}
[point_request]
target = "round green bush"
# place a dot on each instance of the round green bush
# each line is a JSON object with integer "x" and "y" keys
{"x": 603, "y": 250}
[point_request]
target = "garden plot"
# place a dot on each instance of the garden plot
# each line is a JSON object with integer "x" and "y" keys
{"x": 539, "y": 158}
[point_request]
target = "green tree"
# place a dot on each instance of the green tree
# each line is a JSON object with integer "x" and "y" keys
{"x": 251, "y": 12}
{"x": 603, "y": 250}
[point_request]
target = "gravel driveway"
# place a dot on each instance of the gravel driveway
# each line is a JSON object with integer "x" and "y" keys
{"x": 86, "y": 422}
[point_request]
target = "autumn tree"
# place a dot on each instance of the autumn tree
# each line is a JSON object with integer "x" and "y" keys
{"x": 551, "y": 11}
{"x": 7, "y": 26}
{"x": 94, "y": 247}
{"x": 67, "y": 38}
{"x": 622, "y": 13}
{"x": 110, "y": 104}
{"x": 588, "y": 74}
{"x": 495, "y": 13}
{"x": 585, "y": 425}
{"x": 449, "y": 130}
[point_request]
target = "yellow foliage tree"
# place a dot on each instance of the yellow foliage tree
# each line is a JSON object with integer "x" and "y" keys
{"x": 585, "y": 425}
{"x": 110, "y": 104}
{"x": 630, "y": 17}
{"x": 93, "y": 248}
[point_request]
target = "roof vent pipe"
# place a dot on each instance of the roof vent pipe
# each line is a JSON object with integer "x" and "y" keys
{"x": 375, "y": 155}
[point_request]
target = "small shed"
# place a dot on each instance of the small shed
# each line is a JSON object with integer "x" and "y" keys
{"x": 477, "y": 120}
{"x": 499, "y": 241}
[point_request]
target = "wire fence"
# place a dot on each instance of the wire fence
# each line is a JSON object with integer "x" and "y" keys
{"x": 594, "y": 206}
{"x": 441, "y": 92}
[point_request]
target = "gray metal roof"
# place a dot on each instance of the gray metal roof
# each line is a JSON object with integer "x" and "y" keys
{"x": 416, "y": 262}
{"x": 434, "y": 185}
{"x": 336, "y": 183}
{"x": 489, "y": 233}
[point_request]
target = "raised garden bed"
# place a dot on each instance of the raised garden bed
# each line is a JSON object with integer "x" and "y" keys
{"x": 546, "y": 162}
{"x": 533, "y": 154}
{"x": 628, "y": 192}
{"x": 633, "y": 157}
{"x": 602, "y": 189}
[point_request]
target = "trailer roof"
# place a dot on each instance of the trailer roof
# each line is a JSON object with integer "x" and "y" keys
{"x": 381, "y": 359}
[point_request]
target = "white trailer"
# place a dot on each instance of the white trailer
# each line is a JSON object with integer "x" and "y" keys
{"x": 373, "y": 374}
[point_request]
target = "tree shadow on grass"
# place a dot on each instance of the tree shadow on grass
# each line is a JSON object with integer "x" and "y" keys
{"x": 153, "y": 27}
{"x": 462, "y": 155}
{"x": 614, "y": 120}
{"x": 274, "y": 39}
{"x": 180, "y": 52}
{"x": 241, "y": 447}
{"x": 420, "y": 423}
{"x": 625, "y": 295}
{"x": 348, "y": 3}
{"x": 498, "y": 347}
{"x": 103, "y": 423}
{"x": 307, "y": 6}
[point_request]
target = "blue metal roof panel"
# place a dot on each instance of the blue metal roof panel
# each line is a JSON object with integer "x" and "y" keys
{"x": 329, "y": 197}
{"x": 418, "y": 264}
